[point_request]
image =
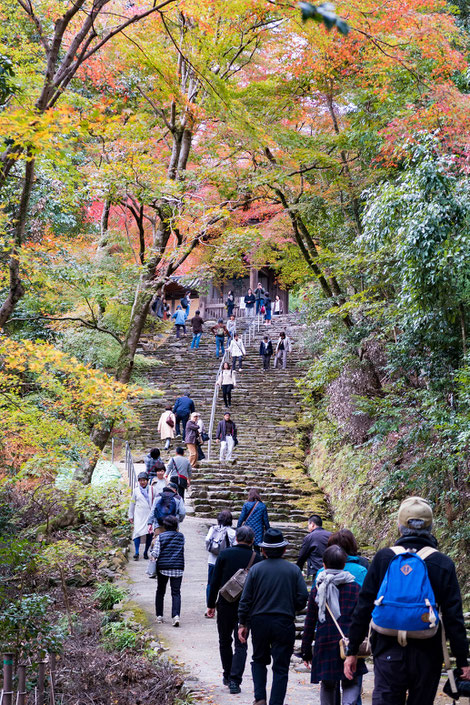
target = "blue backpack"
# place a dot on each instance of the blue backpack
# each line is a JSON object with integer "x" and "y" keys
{"x": 405, "y": 604}
{"x": 163, "y": 510}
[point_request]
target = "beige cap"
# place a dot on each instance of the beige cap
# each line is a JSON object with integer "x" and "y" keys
{"x": 415, "y": 508}
{"x": 194, "y": 415}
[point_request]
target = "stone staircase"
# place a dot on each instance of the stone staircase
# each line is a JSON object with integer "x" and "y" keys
{"x": 265, "y": 406}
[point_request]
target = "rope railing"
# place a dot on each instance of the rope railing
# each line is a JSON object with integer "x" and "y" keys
{"x": 247, "y": 337}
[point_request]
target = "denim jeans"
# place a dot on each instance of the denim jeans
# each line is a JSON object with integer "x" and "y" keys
{"x": 329, "y": 691}
{"x": 266, "y": 361}
{"x": 181, "y": 420}
{"x": 175, "y": 585}
{"x": 210, "y": 570}
{"x": 148, "y": 541}
{"x": 250, "y": 311}
{"x": 219, "y": 345}
{"x": 196, "y": 340}
{"x": 237, "y": 360}
{"x": 259, "y": 303}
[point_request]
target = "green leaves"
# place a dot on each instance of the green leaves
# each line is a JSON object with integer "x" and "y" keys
{"x": 325, "y": 14}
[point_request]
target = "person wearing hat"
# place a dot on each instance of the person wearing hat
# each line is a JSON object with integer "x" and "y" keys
{"x": 139, "y": 508}
{"x": 415, "y": 667}
{"x": 274, "y": 592}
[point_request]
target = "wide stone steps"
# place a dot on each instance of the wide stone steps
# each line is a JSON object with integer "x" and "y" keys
{"x": 264, "y": 407}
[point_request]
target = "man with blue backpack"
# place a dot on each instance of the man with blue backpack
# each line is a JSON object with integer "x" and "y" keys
{"x": 167, "y": 503}
{"x": 409, "y": 590}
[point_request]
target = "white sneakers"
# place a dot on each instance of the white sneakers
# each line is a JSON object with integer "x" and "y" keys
{"x": 175, "y": 622}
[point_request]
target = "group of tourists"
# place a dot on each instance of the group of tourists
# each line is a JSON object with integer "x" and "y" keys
{"x": 259, "y": 302}
{"x": 183, "y": 422}
{"x": 396, "y": 608}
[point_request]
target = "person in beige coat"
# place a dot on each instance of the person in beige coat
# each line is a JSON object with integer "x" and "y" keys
{"x": 166, "y": 426}
{"x": 227, "y": 379}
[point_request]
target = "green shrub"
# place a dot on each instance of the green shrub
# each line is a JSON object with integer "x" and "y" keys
{"x": 108, "y": 594}
{"x": 117, "y": 635}
{"x": 27, "y": 629}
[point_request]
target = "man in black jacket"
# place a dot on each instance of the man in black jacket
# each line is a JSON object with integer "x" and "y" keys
{"x": 274, "y": 592}
{"x": 415, "y": 667}
{"x": 227, "y": 564}
{"x": 313, "y": 546}
{"x": 266, "y": 352}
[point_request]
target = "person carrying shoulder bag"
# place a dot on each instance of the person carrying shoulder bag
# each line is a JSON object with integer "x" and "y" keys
{"x": 231, "y": 561}
{"x": 330, "y": 607}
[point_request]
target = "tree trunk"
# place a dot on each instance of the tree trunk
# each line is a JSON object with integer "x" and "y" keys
{"x": 16, "y": 291}
{"x": 100, "y": 436}
{"x": 139, "y": 314}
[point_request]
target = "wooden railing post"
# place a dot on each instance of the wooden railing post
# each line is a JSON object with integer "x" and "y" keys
{"x": 21, "y": 694}
{"x": 41, "y": 682}
{"x": 7, "y": 693}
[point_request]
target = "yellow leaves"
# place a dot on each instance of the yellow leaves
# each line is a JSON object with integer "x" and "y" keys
{"x": 49, "y": 402}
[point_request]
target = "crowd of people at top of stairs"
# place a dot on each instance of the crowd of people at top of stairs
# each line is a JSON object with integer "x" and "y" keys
{"x": 253, "y": 590}
{"x": 257, "y": 303}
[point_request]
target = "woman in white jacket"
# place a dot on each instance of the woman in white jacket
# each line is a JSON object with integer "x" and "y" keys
{"x": 237, "y": 351}
{"x": 139, "y": 508}
{"x": 227, "y": 380}
{"x": 166, "y": 426}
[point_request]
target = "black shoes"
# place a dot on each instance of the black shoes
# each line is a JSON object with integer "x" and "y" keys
{"x": 146, "y": 556}
{"x": 234, "y": 688}
{"x": 225, "y": 680}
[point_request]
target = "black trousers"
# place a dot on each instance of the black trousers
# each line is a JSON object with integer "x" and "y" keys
{"x": 227, "y": 393}
{"x": 406, "y": 669}
{"x": 233, "y": 661}
{"x": 175, "y": 585}
{"x": 272, "y": 637}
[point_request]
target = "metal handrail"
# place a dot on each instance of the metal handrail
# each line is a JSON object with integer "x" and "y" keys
{"x": 130, "y": 469}
{"x": 247, "y": 337}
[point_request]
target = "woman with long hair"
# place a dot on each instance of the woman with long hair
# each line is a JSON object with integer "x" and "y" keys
{"x": 227, "y": 380}
{"x": 255, "y": 515}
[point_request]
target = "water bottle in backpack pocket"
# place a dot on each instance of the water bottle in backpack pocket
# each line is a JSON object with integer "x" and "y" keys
{"x": 405, "y": 606}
